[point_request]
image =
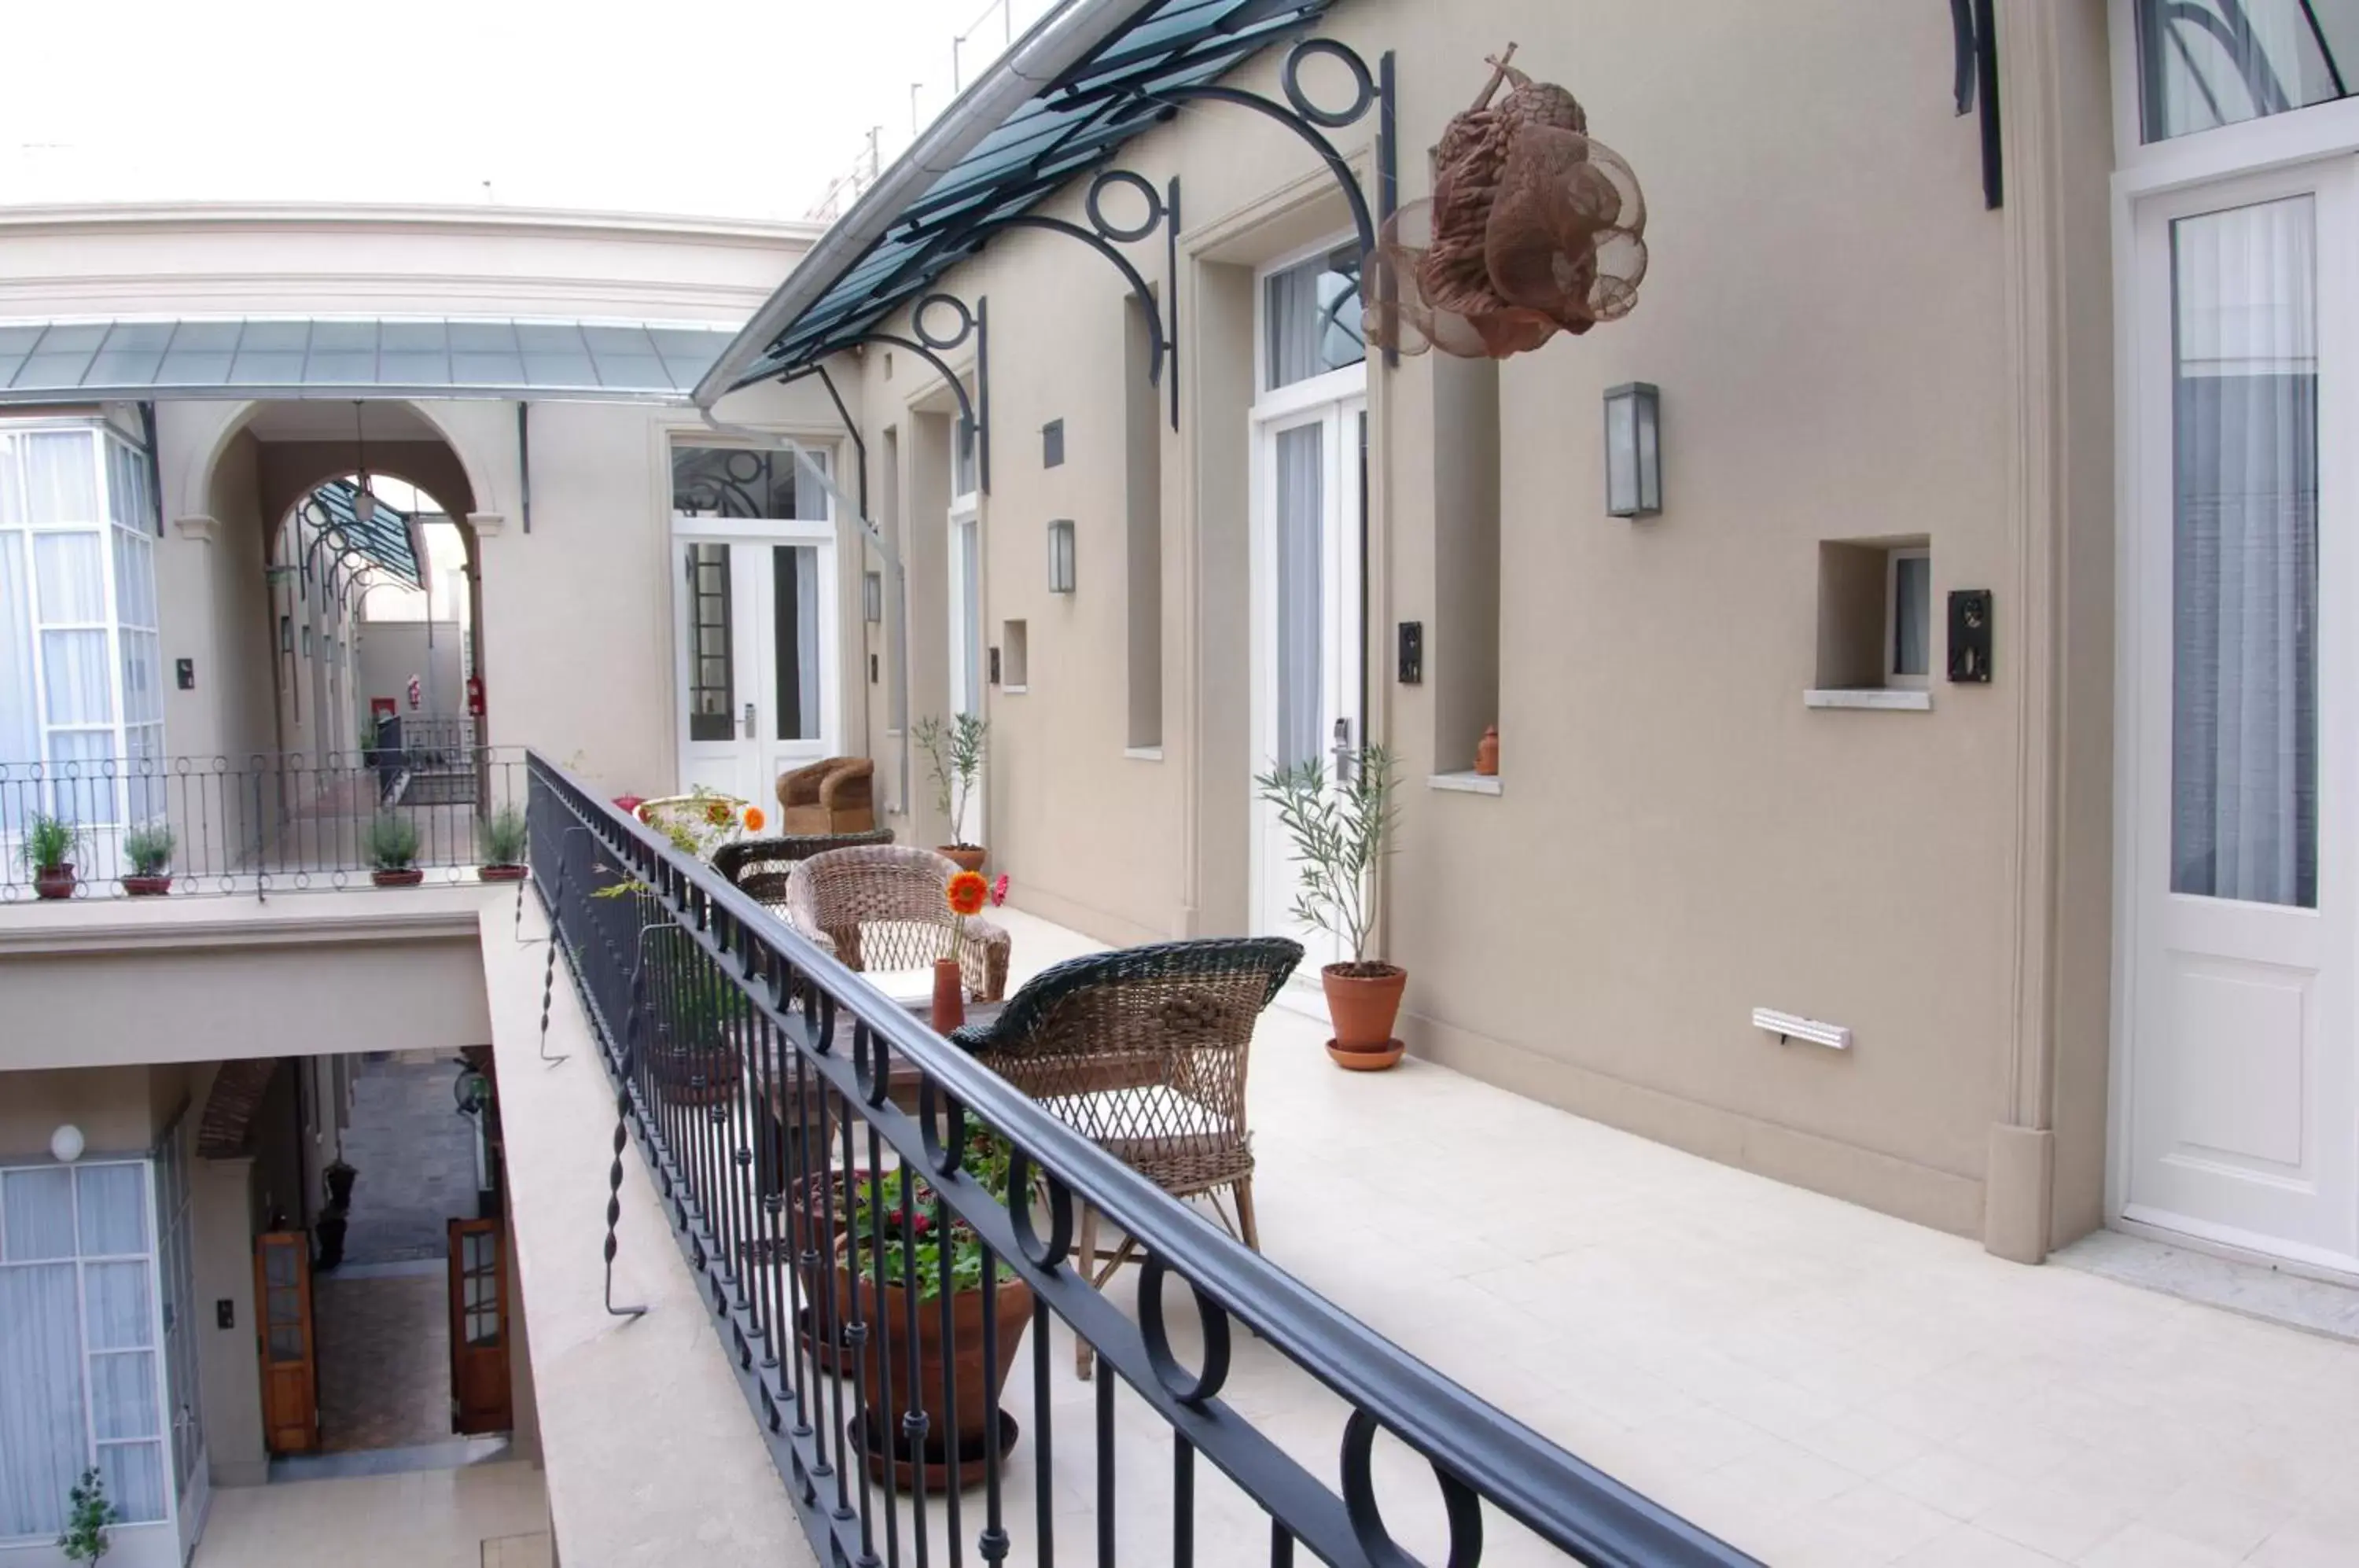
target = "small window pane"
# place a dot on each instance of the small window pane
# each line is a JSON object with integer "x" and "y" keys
{"x": 732, "y": 481}
{"x": 37, "y": 1219}
{"x": 712, "y": 697}
{"x": 114, "y": 1208}
{"x": 118, "y": 1311}
{"x": 1912, "y": 579}
{"x": 70, "y": 571}
{"x": 795, "y": 639}
{"x": 122, "y": 1396}
{"x": 1312, "y": 319}
{"x": 134, "y": 1479}
{"x": 2206, "y": 63}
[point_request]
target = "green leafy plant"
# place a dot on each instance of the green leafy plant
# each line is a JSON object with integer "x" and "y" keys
{"x": 88, "y": 1514}
{"x": 391, "y": 842}
{"x": 954, "y": 752}
{"x": 1341, "y": 832}
{"x": 893, "y": 1218}
{"x": 150, "y": 850}
{"x": 501, "y": 836}
{"x": 49, "y": 842}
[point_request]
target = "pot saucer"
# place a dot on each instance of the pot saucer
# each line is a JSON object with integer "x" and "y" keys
{"x": 1376, "y": 1060}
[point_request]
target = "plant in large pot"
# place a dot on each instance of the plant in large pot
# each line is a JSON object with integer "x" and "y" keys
{"x": 954, "y": 754}
{"x": 898, "y": 1229}
{"x": 149, "y": 851}
{"x": 694, "y": 1055}
{"x": 390, "y": 842}
{"x": 1341, "y": 831}
{"x": 501, "y": 839}
{"x": 48, "y": 847}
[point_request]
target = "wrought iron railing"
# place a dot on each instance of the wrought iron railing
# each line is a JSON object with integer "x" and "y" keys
{"x": 763, "y": 1080}
{"x": 262, "y": 823}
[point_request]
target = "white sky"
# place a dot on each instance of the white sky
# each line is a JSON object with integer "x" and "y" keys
{"x": 736, "y": 108}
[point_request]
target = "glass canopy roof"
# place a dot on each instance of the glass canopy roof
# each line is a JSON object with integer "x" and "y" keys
{"x": 1073, "y": 123}
{"x": 385, "y": 538}
{"x": 298, "y": 357}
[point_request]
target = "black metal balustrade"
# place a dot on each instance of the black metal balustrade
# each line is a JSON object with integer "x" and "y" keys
{"x": 762, "y": 1080}
{"x": 267, "y": 823}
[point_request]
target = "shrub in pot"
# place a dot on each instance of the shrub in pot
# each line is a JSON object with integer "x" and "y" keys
{"x": 694, "y": 1059}
{"x": 895, "y": 1225}
{"x": 150, "y": 850}
{"x": 48, "y": 847}
{"x": 955, "y": 753}
{"x": 1341, "y": 831}
{"x": 501, "y": 840}
{"x": 391, "y": 842}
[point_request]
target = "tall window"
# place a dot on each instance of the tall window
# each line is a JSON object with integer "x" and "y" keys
{"x": 78, "y": 1345}
{"x": 2205, "y": 63}
{"x": 81, "y": 682}
{"x": 1312, "y": 319}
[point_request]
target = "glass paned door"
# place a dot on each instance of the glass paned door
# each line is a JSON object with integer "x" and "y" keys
{"x": 1308, "y": 522}
{"x": 756, "y": 618}
{"x": 2239, "y": 1101}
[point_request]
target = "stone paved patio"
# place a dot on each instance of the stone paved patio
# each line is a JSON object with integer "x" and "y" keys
{"x": 484, "y": 1516}
{"x": 415, "y": 1155}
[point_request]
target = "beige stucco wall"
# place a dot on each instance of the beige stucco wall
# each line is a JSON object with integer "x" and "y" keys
{"x": 1850, "y": 346}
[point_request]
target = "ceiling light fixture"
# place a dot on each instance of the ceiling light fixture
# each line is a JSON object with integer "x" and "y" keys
{"x": 364, "y": 501}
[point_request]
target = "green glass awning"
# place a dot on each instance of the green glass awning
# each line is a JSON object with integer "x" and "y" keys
{"x": 1074, "y": 123}
{"x": 47, "y": 362}
{"x": 388, "y": 537}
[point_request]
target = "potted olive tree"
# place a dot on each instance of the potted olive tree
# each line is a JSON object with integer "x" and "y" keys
{"x": 88, "y": 1517}
{"x": 392, "y": 846}
{"x": 1341, "y": 831}
{"x": 896, "y": 1228}
{"x": 501, "y": 839}
{"x": 955, "y": 753}
{"x": 149, "y": 851}
{"x": 48, "y": 847}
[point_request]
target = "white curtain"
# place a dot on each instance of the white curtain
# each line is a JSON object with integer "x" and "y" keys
{"x": 21, "y": 734}
{"x": 43, "y": 1440}
{"x": 1313, "y": 314}
{"x": 2245, "y": 631}
{"x": 61, "y": 476}
{"x": 1299, "y": 515}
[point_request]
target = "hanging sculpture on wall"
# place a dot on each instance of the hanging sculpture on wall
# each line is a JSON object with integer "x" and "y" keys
{"x": 1533, "y": 229}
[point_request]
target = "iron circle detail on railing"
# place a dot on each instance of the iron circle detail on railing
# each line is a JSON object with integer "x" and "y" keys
{"x": 1041, "y": 1252}
{"x": 1188, "y": 1389}
{"x": 942, "y": 344}
{"x": 1459, "y": 1504}
{"x": 944, "y": 1135}
{"x": 1364, "y": 85}
{"x": 1107, "y": 228}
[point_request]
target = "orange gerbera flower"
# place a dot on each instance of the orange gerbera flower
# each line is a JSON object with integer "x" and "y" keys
{"x": 967, "y": 893}
{"x": 754, "y": 819}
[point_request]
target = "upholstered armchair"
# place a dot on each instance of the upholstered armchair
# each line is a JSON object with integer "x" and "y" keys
{"x": 832, "y": 797}
{"x": 881, "y": 909}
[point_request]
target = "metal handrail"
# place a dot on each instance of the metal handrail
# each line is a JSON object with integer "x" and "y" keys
{"x": 1475, "y": 1448}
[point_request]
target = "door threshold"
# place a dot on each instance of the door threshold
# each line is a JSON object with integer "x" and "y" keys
{"x": 2207, "y": 1275}
{"x": 457, "y": 1453}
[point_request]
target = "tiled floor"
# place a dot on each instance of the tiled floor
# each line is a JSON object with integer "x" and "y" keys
{"x": 1817, "y": 1383}
{"x": 385, "y": 1360}
{"x": 415, "y": 1155}
{"x": 488, "y": 1516}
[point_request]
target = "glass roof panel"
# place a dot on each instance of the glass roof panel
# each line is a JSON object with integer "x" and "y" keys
{"x": 1070, "y": 124}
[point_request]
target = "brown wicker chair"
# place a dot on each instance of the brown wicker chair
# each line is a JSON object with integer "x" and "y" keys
{"x": 833, "y": 797}
{"x": 1143, "y": 1052}
{"x": 762, "y": 865}
{"x": 881, "y": 909}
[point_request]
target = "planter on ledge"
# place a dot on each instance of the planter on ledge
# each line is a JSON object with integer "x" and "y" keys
{"x": 407, "y": 876}
{"x": 501, "y": 872}
{"x": 54, "y": 881}
{"x": 148, "y": 886}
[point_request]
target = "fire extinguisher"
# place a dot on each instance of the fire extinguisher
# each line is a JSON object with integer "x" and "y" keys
{"x": 475, "y": 696}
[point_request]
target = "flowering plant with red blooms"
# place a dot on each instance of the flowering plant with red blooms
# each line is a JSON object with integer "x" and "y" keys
{"x": 898, "y": 1218}
{"x": 999, "y": 891}
{"x": 966, "y": 893}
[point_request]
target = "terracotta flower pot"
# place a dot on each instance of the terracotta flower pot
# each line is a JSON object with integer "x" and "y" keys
{"x": 54, "y": 881}
{"x": 1364, "y": 1005}
{"x": 888, "y": 1315}
{"x": 949, "y": 996}
{"x": 694, "y": 1072}
{"x": 148, "y": 886}
{"x": 409, "y": 877}
{"x": 970, "y": 857}
{"x": 500, "y": 873}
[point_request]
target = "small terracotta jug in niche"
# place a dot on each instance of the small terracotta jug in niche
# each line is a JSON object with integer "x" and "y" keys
{"x": 1486, "y": 753}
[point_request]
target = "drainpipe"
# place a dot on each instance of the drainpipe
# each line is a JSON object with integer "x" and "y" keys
{"x": 769, "y": 441}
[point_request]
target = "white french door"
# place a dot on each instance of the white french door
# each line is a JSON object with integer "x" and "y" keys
{"x": 1309, "y": 484}
{"x": 2237, "y": 1104}
{"x": 967, "y": 642}
{"x": 754, "y": 617}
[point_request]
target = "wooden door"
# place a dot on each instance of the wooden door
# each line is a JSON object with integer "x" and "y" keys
{"x": 479, "y": 1400}
{"x": 290, "y": 1386}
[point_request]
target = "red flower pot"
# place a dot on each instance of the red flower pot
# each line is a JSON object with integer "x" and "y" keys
{"x": 408, "y": 878}
{"x": 968, "y": 858}
{"x": 501, "y": 872}
{"x": 148, "y": 886}
{"x": 54, "y": 881}
{"x": 1364, "y": 1001}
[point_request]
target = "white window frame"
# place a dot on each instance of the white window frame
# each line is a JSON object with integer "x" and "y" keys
{"x": 1327, "y": 387}
{"x": 1893, "y": 678}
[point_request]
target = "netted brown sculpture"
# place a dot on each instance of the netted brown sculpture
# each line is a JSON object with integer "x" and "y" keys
{"x": 1533, "y": 228}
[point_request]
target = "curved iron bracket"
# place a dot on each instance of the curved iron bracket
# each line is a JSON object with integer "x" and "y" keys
{"x": 976, "y": 324}
{"x": 1104, "y": 235}
{"x": 1974, "y": 33}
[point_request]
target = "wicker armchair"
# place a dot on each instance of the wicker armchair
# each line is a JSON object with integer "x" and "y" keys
{"x": 1143, "y": 1052}
{"x": 762, "y": 865}
{"x": 832, "y": 797}
{"x": 881, "y": 909}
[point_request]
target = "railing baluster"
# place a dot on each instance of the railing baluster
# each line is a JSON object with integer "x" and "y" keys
{"x": 1044, "y": 1501}
{"x": 1106, "y": 1382}
{"x": 1183, "y": 1502}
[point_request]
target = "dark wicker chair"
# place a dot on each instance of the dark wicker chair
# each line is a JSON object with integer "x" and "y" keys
{"x": 1143, "y": 1052}
{"x": 761, "y": 866}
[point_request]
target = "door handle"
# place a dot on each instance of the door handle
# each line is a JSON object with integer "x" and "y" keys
{"x": 749, "y": 720}
{"x": 1343, "y": 756}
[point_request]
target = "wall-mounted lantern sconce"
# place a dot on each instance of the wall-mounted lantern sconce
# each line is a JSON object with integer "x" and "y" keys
{"x": 1634, "y": 451}
{"x": 1061, "y": 556}
{"x": 872, "y": 596}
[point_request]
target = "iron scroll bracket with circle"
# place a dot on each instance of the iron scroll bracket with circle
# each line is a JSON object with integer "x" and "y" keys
{"x": 930, "y": 346}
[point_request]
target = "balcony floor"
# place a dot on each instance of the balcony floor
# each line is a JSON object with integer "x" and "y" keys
{"x": 482, "y": 1516}
{"x": 1813, "y": 1381}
